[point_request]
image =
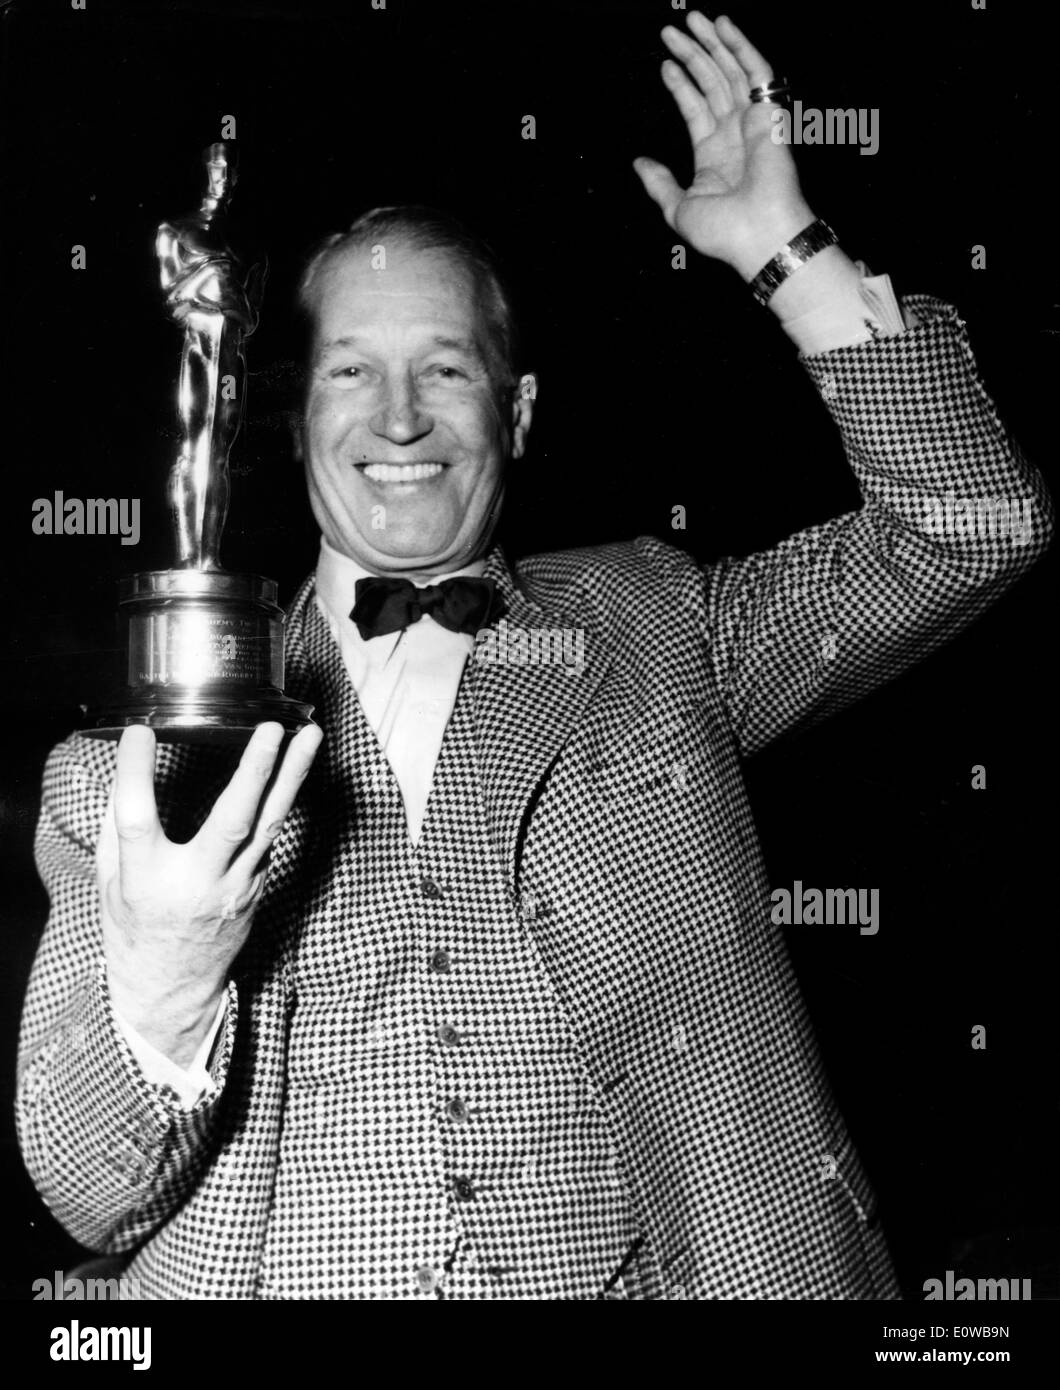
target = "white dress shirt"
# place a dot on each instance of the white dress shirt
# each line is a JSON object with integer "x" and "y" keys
{"x": 406, "y": 682}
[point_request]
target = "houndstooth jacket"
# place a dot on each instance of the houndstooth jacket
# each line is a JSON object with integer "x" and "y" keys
{"x": 617, "y": 810}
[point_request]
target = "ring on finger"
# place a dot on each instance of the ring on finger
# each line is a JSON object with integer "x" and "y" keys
{"x": 776, "y": 92}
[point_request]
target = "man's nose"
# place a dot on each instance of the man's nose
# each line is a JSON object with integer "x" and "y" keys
{"x": 401, "y": 417}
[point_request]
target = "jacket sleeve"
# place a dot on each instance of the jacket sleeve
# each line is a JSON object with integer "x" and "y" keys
{"x": 805, "y": 628}
{"x": 112, "y": 1155}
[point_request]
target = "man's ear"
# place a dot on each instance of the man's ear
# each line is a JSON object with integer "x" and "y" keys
{"x": 523, "y": 399}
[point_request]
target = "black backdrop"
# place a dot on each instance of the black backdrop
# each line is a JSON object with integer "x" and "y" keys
{"x": 659, "y": 387}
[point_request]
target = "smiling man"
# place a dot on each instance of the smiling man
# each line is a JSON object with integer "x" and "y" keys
{"x": 485, "y": 1000}
{"x": 410, "y": 416}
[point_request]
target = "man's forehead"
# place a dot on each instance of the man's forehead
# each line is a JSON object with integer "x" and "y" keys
{"x": 430, "y": 292}
{"x": 396, "y": 271}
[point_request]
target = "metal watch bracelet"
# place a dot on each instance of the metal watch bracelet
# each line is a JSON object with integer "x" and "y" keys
{"x": 789, "y": 258}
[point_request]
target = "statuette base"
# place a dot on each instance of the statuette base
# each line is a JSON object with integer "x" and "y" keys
{"x": 203, "y": 656}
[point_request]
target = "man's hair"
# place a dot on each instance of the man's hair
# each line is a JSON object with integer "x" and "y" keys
{"x": 428, "y": 229}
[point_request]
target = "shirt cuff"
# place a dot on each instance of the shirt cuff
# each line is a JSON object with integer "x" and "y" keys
{"x": 850, "y": 312}
{"x": 190, "y": 1084}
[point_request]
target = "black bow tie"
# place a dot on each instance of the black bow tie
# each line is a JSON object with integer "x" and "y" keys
{"x": 388, "y": 605}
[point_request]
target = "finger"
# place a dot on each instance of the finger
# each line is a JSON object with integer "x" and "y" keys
{"x": 660, "y": 185}
{"x": 136, "y": 822}
{"x": 754, "y": 65}
{"x": 690, "y": 102}
{"x": 279, "y": 799}
{"x": 231, "y": 821}
{"x": 712, "y": 82}
{"x": 708, "y": 36}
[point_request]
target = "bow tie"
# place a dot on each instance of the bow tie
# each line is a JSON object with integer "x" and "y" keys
{"x": 388, "y": 605}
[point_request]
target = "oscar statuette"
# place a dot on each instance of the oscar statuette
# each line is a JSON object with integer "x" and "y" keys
{"x": 202, "y": 648}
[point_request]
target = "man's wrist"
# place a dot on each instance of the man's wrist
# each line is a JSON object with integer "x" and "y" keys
{"x": 755, "y": 252}
{"x": 828, "y": 277}
{"x": 173, "y": 1022}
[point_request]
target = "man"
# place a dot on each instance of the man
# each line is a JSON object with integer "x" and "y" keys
{"x": 484, "y": 1001}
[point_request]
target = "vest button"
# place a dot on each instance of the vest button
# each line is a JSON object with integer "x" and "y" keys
{"x": 441, "y": 962}
{"x": 430, "y": 889}
{"x": 448, "y": 1035}
{"x": 464, "y": 1189}
{"x": 426, "y": 1279}
{"x": 457, "y": 1110}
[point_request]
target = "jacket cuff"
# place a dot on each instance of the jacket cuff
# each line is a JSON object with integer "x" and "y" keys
{"x": 85, "y": 1068}
{"x": 190, "y": 1083}
{"x": 887, "y": 393}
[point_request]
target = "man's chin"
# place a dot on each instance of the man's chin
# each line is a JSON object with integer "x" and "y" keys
{"x": 402, "y": 553}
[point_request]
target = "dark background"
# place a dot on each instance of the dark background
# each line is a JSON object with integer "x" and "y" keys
{"x": 658, "y": 387}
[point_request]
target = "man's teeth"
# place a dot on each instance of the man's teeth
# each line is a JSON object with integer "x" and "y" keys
{"x": 402, "y": 472}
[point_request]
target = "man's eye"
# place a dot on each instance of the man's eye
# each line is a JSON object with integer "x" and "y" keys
{"x": 350, "y": 377}
{"x": 447, "y": 373}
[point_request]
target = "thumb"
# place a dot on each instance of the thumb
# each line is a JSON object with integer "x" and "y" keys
{"x": 660, "y": 185}
{"x": 135, "y": 813}
{"x": 107, "y": 842}
{"x": 107, "y": 857}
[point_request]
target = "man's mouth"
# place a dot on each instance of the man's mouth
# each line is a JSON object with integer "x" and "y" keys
{"x": 401, "y": 472}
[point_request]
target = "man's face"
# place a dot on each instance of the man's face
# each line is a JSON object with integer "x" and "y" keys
{"x": 406, "y": 432}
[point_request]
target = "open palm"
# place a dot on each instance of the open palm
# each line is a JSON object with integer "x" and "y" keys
{"x": 744, "y": 201}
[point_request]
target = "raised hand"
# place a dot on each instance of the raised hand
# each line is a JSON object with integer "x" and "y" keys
{"x": 744, "y": 202}
{"x": 175, "y": 916}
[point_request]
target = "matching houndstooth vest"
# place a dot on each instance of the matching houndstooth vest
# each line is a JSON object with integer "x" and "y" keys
{"x": 440, "y": 1136}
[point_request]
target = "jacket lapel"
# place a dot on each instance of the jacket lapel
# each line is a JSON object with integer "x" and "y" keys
{"x": 316, "y": 672}
{"x": 525, "y": 714}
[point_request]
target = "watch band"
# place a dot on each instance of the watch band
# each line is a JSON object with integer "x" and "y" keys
{"x": 789, "y": 258}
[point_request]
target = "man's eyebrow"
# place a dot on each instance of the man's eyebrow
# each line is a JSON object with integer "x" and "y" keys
{"x": 466, "y": 345}
{"x": 337, "y": 343}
